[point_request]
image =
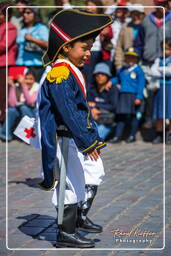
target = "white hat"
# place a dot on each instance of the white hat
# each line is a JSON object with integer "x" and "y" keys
{"x": 136, "y": 7}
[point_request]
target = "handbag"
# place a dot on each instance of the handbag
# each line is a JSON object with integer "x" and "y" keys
{"x": 32, "y": 47}
{"x": 106, "y": 117}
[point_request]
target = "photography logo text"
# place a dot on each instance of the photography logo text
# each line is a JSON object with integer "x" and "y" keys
{"x": 133, "y": 236}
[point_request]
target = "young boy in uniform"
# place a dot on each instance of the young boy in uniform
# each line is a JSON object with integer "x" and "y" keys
{"x": 64, "y": 112}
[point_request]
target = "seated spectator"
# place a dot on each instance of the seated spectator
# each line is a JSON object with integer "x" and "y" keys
{"x": 157, "y": 73}
{"x": 127, "y": 35}
{"x": 21, "y": 100}
{"x": 17, "y": 19}
{"x": 131, "y": 82}
{"x": 12, "y": 52}
{"x": 102, "y": 102}
{"x": 32, "y": 40}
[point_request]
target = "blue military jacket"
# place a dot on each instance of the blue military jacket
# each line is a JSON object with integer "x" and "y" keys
{"x": 63, "y": 103}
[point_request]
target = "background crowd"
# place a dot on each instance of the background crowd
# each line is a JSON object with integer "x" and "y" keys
{"x": 127, "y": 73}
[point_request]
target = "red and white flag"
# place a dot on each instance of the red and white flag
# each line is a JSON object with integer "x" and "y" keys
{"x": 27, "y": 131}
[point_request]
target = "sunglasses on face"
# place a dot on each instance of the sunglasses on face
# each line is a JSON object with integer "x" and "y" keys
{"x": 28, "y": 12}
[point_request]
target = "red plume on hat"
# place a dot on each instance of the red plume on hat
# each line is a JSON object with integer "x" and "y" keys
{"x": 69, "y": 25}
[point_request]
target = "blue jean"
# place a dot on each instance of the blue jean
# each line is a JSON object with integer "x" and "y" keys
{"x": 14, "y": 114}
{"x": 103, "y": 130}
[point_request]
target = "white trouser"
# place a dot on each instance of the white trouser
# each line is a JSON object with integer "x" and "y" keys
{"x": 80, "y": 171}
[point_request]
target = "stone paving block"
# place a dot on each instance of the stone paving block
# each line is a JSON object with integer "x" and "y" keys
{"x": 27, "y": 253}
{"x": 39, "y": 223}
{"x": 127, "y": 253}
{"x": 47, "y": 236}
{"x": 31, "y": 231}
{"x": 39, "y": 244}
{"x": 58, "y": 252}
{"x": 18, "y": 240}
{"x": 164, "y": 252}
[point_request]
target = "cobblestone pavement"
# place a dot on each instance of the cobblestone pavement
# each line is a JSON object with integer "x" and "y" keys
{"x": 130, "y": 199}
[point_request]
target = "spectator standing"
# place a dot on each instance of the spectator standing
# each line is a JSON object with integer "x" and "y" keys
{"x": 148, "y": 42}
{"x": 127, "y": 35}
{"x": 32, "y": 41}
{"x": 96, "y": 50}
{"x": 12, "y": 51}
{"x": 102, "y": 102}
{"x": 111, "y": 4}
{"x": 158, "y": 72}
{"x": 21, "y": 100}
{"x": 120, "y": 15}
{"x": 62, "y": 4}
{"x": 105, "y": 37}
{"x": 17, "y": 20}
{"x": 131, "y": 82}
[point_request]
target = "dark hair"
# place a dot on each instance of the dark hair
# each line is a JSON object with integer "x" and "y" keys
{"x": 97, "y": 3}
{"x": 36, "y": 12}
{"x": 3, "y": 6}
{"x": 168, "y": 41}
{"x": 30, "y": 72}
{"x": 26, "y": 2}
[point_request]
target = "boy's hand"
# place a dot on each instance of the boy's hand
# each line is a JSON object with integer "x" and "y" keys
{"x": 10, "y": 81}
{"x": 95, "y": 113}
{"x": 108, "y": 85}
{"x": 137, "y": 101}
{"x": 94, "y": 154}
{"x": 91, "y": 104}
{"x": 21, "y": 79}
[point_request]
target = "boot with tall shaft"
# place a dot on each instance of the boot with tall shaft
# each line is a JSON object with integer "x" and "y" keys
{"x": 67, "y": 236}
{"x": 83, "y": 222}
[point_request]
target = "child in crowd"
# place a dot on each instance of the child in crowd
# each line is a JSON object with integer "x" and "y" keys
{"x": 131, "y": 82}
{"x": 64, "y": 112}
{"x": 160, "y": 68}
{"x": 101, "y": 101}
{"x": 21, "y": 101}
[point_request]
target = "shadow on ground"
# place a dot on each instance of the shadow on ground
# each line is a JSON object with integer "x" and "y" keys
{"x": 31, "y": 182}
{"x": 42, "y": 227}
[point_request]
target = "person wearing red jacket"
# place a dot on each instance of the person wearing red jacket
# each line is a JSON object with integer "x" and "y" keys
{"x": 12, "y": 51}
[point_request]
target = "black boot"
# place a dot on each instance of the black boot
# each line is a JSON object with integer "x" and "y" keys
{"x": 83, "y": 222}
{"x": 67, "y": 236}
{"x": 158, "y": 138}
{"x": 168, "y": 139}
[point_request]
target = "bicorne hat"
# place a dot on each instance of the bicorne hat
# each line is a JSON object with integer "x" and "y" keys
{"x": 69, "y": 25}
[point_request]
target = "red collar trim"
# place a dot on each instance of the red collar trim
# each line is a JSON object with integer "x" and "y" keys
{"x": 75, "y": 75}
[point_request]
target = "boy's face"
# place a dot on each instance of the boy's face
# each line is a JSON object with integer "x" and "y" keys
{"x": 101, "y": 79}
{"x": 79, "y": 52}
{"x": 131, "y": 60}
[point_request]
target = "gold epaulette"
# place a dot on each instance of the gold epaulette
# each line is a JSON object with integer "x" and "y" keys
{"x": 58, "y": 74}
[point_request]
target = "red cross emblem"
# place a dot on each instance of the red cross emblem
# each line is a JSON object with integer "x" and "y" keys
{"x": 29, "y": 133}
